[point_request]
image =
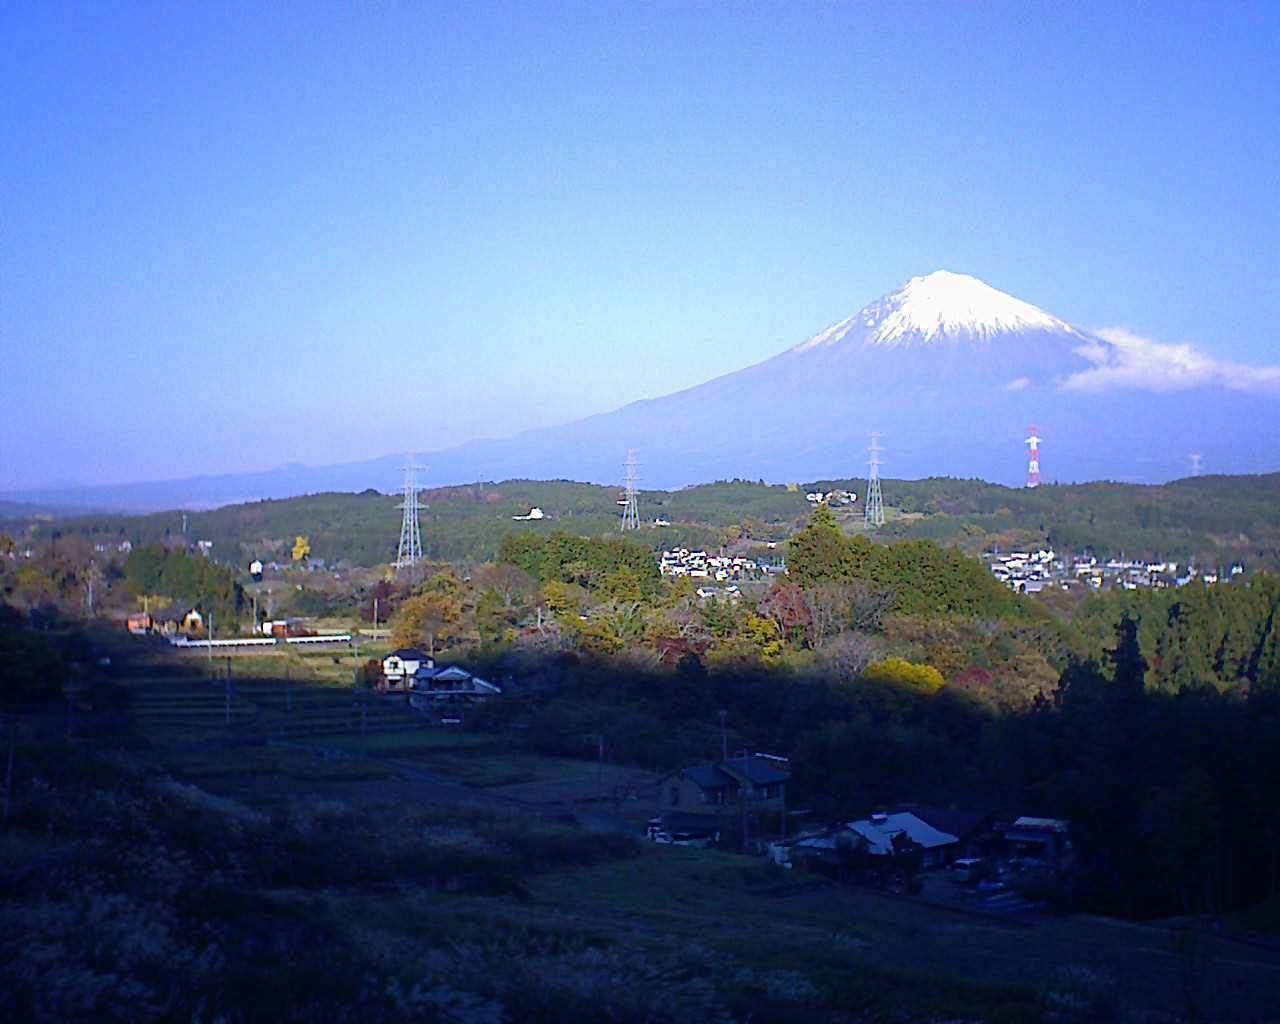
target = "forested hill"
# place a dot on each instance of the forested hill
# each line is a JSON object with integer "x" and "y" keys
{"x": 1215, "y": 519}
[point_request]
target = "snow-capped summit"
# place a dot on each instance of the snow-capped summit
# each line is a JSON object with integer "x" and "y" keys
{"x": 949, "y": 369}
{"x": 941, "y": 304}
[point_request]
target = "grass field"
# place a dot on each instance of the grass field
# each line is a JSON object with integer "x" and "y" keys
{"x": 867, "y": 954}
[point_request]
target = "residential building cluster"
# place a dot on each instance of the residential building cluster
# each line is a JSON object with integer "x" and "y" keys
{"x": 699, "y": 565}
{"x": 741, "y": 800}
{"x": 1032, "y": 571}
{"x": 836, "y": 497}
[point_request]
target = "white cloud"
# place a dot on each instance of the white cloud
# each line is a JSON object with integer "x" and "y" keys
{"x": 1123, "y": 359}
{"x": 1019, "y": 384}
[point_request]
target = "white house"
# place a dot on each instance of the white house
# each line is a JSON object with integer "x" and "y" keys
{"x": 400, "y": 668}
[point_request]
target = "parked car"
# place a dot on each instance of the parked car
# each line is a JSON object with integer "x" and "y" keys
{"x": 698, "y": 839}
{"x": 970, "y": 870}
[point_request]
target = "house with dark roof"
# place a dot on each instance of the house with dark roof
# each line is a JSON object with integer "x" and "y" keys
{"x": 1038, "y": 841}
{"x": 401, "y": 667}
{"x": 975, "y": 832}
{"x": 452, "y": 685}
{"x": 177, "y": 618}
{"x": 710, "y": 790}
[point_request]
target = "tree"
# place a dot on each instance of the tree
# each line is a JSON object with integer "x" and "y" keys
{"x": 764, "y": 634}
{"x": 513, "y": 586}
{"x": 563, "y": 599}
{"x": 819, "y": 552}
{"x": 838, "y": 607}
{"x": 30, "y": 670}
{"x": 787, "y": 607}
{"x": 620, "y": 584}
{"x": 425, "y": 619}
{"x": 847, "y": 655}
{"x": 903, "y": 674}
{"x": 301, "y": 549}
{"x": 615, "y": 625}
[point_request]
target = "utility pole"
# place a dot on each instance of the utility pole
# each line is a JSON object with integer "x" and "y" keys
{"x": 92, "y": 577}
{"x": 288, "y": 690}
{"x": 724, "y": 736}
{"x": 8, "y": 771}
{"x": 208, "y": 636}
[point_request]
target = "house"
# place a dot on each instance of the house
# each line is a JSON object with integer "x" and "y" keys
{"x": 975, "y": 832}
{"x": 821, "y": 847}
{"x": 140, "y": 624}
{"x": 1038, "y": 841}
{"x": 401, "y": 667}
{"x": 709, "y": 790}
{"x": 878, "y": 834}
{"x": 454, "y": 685}
{"x": 177, "y": 618}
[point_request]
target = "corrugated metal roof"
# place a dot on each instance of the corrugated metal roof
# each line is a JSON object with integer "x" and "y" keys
{"x": 879, "y": 834}
{"x": 1042, "y": 824}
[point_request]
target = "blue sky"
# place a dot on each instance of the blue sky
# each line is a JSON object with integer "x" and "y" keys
{"x": 240, "y": 235}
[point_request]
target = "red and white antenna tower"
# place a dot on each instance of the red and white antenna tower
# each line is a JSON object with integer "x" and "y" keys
{"x": 1033, "y": 457}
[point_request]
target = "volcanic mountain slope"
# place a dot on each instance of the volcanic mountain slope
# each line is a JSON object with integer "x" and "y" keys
{"x": 951, "y": 370}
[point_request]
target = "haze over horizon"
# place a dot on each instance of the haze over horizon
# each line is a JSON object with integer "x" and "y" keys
{"x": 237, "y": 238}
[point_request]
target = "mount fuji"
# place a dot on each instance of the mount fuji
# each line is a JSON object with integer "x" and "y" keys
{"x": 950, "y": 370}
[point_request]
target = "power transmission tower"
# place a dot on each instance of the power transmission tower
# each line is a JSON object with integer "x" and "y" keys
{"x": 631, "y": 503}
{"x": 1195, "y": 463}
{"x": 410, "y": 550}
{"x": 873, "y": 511}
{"x": 1033, "y": 443}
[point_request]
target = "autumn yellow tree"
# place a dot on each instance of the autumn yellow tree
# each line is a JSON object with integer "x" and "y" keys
{"x": 301, "y": 548}
{"x": 425, "y": 619}
{"x": 905, "y": 674}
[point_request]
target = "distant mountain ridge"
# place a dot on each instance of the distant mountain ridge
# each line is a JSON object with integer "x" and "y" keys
{"x": 951, "y": 370}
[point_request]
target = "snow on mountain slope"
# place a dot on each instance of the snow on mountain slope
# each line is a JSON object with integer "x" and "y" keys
{"x": 949, "y": 368}
{"x": 941, "y": 304}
